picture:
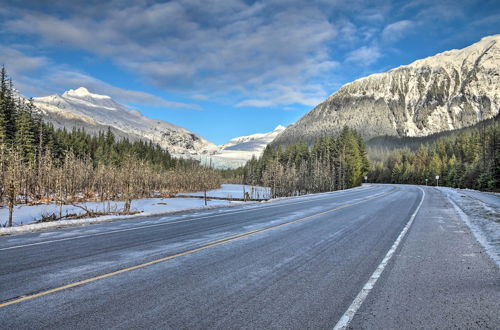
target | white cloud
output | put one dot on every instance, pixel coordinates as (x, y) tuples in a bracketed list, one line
[(286, 95), (38, 76), (201, 97), (18, 62), (364, 55), (396, 31), (251, 51), (193, 46)]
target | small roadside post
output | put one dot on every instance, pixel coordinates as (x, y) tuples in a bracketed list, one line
[(426, 181), (366, 179), (437, 180)]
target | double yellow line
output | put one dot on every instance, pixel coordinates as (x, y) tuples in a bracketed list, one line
[(201, 248)]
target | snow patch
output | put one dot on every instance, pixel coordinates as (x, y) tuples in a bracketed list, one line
[(84, 92), (482, 219)]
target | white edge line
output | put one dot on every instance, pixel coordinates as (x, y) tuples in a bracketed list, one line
[(360, 298), (476, 231)]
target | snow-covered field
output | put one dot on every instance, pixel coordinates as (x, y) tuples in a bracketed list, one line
[(481, 212), (28, 214), (235, 191)]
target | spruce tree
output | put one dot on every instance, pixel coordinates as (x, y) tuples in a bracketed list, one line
[(25, 133)]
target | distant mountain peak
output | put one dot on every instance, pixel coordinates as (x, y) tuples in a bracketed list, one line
[(80, 108), (237, 151), (83, 92)]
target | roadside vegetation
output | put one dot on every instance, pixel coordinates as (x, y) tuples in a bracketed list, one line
[(41, 164), (330, 163), (467, 158)]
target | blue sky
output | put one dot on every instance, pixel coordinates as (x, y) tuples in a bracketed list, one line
[(226, 68)]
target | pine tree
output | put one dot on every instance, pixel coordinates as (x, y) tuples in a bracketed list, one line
[(25, 133), (9, 109), (3, 107), (3, 123)]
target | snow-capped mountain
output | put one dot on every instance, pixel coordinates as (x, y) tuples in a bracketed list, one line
[(255, 143), (241, 149), (450, 90), (80, 108)]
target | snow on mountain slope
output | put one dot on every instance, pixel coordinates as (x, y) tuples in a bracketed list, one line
[(95, 113), (450, 90), (254, 143), (82, 109), (241, 149)]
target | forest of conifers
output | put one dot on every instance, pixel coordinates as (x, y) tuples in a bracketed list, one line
[(41, 164), (466, 158), (331, 163)]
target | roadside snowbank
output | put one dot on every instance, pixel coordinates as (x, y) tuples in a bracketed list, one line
[(481, 212)]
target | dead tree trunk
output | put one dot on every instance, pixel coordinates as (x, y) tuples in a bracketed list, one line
[(128, 204), (12, 202), (128, 198)]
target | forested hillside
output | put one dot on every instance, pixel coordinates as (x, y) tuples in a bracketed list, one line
[(467, 158), (39, 163), (331, 163)]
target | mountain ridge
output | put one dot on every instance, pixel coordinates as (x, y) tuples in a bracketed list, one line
[(450, 90), (237, 151), (80, 108), (261, 139)]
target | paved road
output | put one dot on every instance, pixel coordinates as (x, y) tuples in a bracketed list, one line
[(292, 264)]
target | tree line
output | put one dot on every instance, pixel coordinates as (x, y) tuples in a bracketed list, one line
[(330, 163), (467, 158), (39, 163)]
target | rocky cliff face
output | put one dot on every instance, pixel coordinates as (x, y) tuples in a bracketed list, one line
[(450, 90), (95, 113)]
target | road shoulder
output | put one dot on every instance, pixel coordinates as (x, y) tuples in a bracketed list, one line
[(441, 277)]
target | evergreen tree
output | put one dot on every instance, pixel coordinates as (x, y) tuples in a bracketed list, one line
[(466, 158), (25, 132), (330, 163)]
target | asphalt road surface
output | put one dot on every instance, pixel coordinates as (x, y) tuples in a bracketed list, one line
[(374, 257)]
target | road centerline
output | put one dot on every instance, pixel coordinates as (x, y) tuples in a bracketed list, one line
[(170, 257), (167, 223)]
